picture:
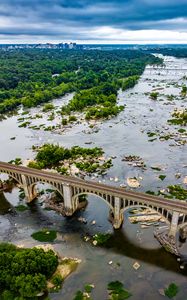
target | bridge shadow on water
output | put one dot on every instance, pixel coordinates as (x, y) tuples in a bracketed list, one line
[(5, 206), (119, 243)]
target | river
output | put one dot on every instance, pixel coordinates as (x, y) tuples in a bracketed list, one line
[(126, 134)]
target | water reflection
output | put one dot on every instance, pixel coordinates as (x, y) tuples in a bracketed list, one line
[(122, 247), (121, 244), (5, 206)]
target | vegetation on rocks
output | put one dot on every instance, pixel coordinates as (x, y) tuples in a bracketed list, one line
[(17, 161), (177, 191), (65, 267), (50, 155), (184, 90), (62, 159), (103, 112), (162, 177), (101, 238), (171, 192), (179, 117), (154, 95), (48, 107)]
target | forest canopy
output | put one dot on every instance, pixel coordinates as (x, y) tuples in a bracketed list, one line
[(34, 76)]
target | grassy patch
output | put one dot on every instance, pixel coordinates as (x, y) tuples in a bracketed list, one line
[(162, 177), (48, 107), (171, 291), (21, 207), (151, 134), (25, 124), (101, 238), (182, 130), (117, 291), (45, 235), (154, 95), (85, 295), (88, 288)]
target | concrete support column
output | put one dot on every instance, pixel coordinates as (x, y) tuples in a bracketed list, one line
[(174, 225), (69, 204), (30, 192), (183, 233), (118, 215)]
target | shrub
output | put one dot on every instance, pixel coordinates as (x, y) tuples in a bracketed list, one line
[(48, 106), (64, 122), (72, 119)]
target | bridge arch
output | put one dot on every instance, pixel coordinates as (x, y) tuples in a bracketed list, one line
[(182, 225), (167, 220), (14, 176), (53, 185), (76, 196)]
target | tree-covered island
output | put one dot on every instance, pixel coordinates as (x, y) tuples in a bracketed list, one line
[(71, 161), (29, 273)]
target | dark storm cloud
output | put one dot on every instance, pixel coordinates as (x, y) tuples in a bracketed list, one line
[(74, 18)]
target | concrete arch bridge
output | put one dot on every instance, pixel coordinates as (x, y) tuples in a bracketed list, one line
[(118, 199)]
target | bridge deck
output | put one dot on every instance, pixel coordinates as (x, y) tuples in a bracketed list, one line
[(166, 69), (177, 205)]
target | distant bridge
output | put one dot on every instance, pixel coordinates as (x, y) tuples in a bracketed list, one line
[(166, 70), (174, 212)]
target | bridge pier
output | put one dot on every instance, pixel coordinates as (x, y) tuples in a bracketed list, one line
[(183, 233), (69, 203), (30, 191), (168, 239), (173, 226), (117, 219)]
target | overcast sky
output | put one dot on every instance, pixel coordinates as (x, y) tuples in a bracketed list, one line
[(93, 21)]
